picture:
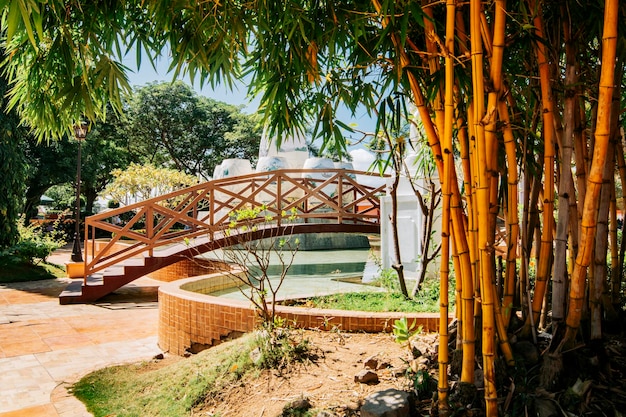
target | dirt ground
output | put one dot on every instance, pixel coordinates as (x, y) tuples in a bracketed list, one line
[(327, 381)]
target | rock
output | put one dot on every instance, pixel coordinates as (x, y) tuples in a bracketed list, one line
[(255, 356), (366, 376), (159, 357), (388, 403), (383, 365), (325, 413), (371, 362), (299, 404)]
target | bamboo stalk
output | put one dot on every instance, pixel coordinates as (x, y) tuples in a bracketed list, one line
[(621, 164), (482, 192), (594, 179), (545, 249), (448, 161), (566, 181), (467, 276)]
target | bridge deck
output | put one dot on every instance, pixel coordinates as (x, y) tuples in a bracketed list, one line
[(143, 237)]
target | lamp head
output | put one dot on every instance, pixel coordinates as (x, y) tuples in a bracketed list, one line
[(80, 130)]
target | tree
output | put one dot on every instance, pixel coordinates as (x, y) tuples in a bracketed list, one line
[(48, 164), (170, 124), (254, 256), (141, 182), (12, 171), (107, 147)]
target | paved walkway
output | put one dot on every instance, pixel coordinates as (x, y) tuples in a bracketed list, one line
[(45, 347)]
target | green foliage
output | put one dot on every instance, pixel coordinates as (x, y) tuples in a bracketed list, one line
[(388, 279), (34, 245), (141, 182), (64, 196), (403, 332), (12, 170), (366, 301), (280, 347), (11, 271), (423, 384), (49, 164), (171, 125)]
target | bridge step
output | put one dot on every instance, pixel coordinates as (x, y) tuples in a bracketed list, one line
[(101, 284)]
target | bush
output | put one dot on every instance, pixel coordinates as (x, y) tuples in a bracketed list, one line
[(34, 245), (280, 347)]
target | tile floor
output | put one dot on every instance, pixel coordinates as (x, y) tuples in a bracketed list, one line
[(45, 347)]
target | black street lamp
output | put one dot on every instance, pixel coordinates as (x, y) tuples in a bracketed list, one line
[(80, 131)]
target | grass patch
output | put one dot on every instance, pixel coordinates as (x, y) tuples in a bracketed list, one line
[(22, 272), (391, 300), (173, 390), (365, 301)]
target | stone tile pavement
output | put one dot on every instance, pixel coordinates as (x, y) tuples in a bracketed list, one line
[(45, 347)]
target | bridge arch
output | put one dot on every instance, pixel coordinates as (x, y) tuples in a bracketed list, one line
[(176, 226)]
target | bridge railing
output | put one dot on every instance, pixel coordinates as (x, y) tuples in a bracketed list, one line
[(202, 211)]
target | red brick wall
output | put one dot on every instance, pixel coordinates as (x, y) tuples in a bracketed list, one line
[(190, 321), (187, 268)]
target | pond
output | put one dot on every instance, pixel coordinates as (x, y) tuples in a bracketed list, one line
[(319, 273)]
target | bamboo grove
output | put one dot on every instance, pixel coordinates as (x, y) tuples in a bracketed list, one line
[(520, 103)]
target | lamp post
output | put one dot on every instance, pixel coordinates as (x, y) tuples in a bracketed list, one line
[(80, 131)]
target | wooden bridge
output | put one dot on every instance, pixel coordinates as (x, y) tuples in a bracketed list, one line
[(124, 244)]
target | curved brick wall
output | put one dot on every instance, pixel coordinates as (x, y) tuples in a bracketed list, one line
[(192, 321)]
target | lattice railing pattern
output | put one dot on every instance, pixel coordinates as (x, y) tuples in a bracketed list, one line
[(202, 212)]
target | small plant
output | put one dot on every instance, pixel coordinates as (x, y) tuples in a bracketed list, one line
[(422, 382), (403, 332), (254, 241), (388, 279), (280, 348)]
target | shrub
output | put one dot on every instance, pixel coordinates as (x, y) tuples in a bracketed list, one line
[(34, 244)]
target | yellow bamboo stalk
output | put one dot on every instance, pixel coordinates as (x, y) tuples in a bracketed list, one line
[(512, 213), (545, 250), (466, 275), (435, 146), (482, 192), (594, 180), (448, 161), (433, 65), (473, 220)]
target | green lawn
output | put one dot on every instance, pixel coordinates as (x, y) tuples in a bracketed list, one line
[(22, 272), (368, 301)]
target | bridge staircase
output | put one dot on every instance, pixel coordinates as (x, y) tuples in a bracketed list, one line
[(133, 241)]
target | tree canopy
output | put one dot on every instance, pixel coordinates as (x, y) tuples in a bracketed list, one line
[(169, 124)]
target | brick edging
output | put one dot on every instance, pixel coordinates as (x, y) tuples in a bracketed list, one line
[(191, 321)]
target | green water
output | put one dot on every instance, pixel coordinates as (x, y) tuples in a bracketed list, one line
[(317, 273)]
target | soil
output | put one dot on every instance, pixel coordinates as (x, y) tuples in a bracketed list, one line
[(591, 380), (326, 380)]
